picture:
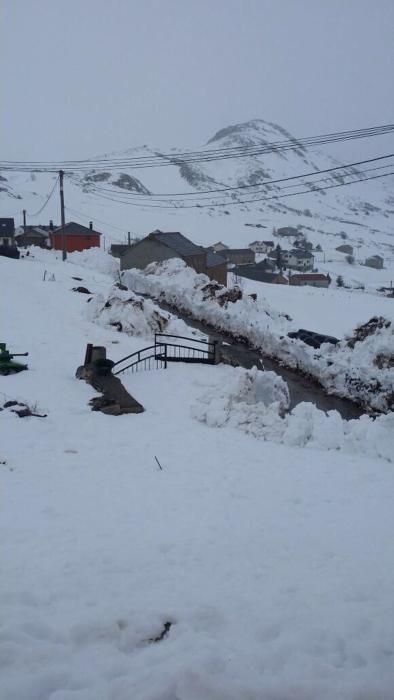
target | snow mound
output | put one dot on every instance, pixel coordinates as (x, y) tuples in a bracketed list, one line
[(132, 314), (95, 259), (256, 402), (247, 400)]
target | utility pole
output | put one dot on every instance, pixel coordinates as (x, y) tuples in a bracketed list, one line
[(24, 221), (63, 222)]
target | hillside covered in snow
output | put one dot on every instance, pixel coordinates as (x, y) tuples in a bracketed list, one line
[(189, 196)]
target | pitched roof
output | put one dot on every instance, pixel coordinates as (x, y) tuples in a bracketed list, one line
[(219, 243), (176, 241), (310, 276), (77, 229), (269, 276), (214, 259), (119, 247), (237, 251), (266, 264), (300, 253), (32, 230)]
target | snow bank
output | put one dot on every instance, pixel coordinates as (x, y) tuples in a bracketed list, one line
[(350, 371), (255, 402), (133, 315), (95, 259)]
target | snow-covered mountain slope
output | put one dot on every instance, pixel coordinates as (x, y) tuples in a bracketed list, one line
[(117, 201)]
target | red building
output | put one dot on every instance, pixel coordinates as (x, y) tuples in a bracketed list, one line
[(77, 237)]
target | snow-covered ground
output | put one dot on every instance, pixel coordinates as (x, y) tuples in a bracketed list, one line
[(273, 562), (333, 311)]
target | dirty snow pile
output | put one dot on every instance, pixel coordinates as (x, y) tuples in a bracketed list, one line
[(349, 370), (132, 314), (256, 403)]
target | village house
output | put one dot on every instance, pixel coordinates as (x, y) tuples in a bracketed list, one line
[(261, 247), (375, 261), (218, 247), (118, 249), (159, 246), (345, 248), (311, 279), (294, 259), (7, 231), (268, 265), (239, 256), (260, 273), (216, 267), (77, 237), (32, 235), (286, 231), (300, 260)]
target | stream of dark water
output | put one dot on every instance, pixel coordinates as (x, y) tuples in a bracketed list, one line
[(240, 354)]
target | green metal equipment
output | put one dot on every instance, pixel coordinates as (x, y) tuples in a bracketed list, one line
[(7, 364)]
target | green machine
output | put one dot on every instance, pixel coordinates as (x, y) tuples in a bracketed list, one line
[(7, 364)]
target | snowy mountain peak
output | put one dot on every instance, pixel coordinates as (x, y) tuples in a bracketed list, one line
[(255, 132)]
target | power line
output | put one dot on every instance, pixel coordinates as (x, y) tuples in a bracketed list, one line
[(46, 201), (264, 183), (100, 221), (117, 196), (245, 201), (184, 158)]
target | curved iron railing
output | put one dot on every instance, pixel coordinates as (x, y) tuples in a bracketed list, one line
[(163, 352)]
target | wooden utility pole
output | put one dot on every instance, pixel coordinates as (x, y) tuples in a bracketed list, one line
[(63, 222), (24, 221)]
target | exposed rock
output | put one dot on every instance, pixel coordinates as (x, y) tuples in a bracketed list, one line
[(366, 329), (81, 290)]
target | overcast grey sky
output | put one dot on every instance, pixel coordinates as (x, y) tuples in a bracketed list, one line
[(82, 77)]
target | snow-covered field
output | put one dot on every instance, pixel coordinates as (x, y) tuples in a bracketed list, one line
[(333, 311), (272, 559)]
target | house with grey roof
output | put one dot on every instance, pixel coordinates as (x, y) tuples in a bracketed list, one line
[(7, 231), (345, 248), (294, 259), (239, 256), (375, 261), (32, 235), (311, 279), (160, 245), (261, 247), (260, 274), (288, 231), (218, 247)]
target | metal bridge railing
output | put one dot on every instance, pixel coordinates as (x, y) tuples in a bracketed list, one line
[(158, 355)]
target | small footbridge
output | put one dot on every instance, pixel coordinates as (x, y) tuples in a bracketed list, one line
[(169, 348)]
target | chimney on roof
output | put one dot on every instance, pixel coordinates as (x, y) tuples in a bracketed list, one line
[(128, 238), (51, 225), (91, 225)]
